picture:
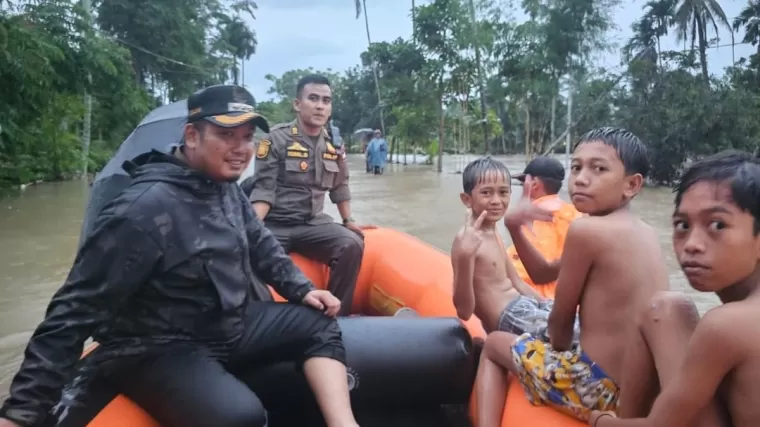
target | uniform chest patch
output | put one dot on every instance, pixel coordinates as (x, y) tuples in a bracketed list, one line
[(297, 150)]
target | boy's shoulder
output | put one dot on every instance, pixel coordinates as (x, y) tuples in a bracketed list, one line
[(728, 327), (606, 224), (587, 227), (729, 315), (589, 233)]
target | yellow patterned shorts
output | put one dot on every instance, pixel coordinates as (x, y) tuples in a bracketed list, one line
[(568, 381)]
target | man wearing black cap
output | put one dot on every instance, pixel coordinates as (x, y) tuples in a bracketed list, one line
[(550, 174), (164, 285), (542, 180)]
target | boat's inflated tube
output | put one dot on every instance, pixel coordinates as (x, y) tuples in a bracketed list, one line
[(399, 367), (391, 361)]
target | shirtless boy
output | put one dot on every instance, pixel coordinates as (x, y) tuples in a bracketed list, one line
[(486, 282), (611, 267), (716, 237)]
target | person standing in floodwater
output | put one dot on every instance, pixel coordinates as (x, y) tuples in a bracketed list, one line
[(377, 153)]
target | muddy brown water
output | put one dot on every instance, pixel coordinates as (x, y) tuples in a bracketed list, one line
[(39, 231)]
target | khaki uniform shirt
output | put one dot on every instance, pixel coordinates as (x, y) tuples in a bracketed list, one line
[(294, 171)]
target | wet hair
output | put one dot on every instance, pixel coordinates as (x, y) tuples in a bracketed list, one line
[(739, 170), (551, 186), (476, 171), (310, 79), (629, 148)]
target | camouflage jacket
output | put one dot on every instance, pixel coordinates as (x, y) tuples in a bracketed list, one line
[(170, 260)]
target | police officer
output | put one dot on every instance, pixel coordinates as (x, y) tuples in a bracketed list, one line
[(296, 164), (164, 284)]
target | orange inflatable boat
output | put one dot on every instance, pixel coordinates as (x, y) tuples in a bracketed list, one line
[(397, 271), (402, 372)]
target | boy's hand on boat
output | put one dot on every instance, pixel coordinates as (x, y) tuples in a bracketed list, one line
[(596, 415), (8, 423), (525, 211), (321, 300)]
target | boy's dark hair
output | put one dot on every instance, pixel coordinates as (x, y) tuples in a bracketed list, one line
[(738, 169), (630, 149), (476, 171), (309, 79)]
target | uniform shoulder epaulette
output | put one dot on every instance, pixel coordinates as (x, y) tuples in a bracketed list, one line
[(280, 126)]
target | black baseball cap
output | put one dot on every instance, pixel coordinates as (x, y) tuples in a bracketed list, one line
[(543, 167), (227, 106)]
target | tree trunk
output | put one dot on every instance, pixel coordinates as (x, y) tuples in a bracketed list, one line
[(528, 150), (414, 24), (374, 71), (481, 83), (702, 50), (554, 113), (659, 52), (441, 132)]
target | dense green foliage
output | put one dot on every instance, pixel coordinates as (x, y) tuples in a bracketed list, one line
[(145, 53), (430, 90), (142, 54)]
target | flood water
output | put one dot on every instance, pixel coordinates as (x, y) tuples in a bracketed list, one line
[(39, 231)]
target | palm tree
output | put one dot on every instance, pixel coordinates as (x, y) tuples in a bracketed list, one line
[(643, 45), (242, 45), (749, 18), (362, 5), (692, 19), (660, 14), (414, 23)]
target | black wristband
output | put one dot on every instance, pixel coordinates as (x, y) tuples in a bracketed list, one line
[(347, 220)]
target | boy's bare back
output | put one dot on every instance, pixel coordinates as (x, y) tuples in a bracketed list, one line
[(621, 260)]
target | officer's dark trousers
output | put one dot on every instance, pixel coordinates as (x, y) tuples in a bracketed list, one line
[(186, 386), (331, 244)]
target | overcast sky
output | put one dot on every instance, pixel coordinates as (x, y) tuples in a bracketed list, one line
[(324, 34)]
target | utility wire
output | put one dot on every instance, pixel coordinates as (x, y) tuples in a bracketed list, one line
[(174, 61)]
